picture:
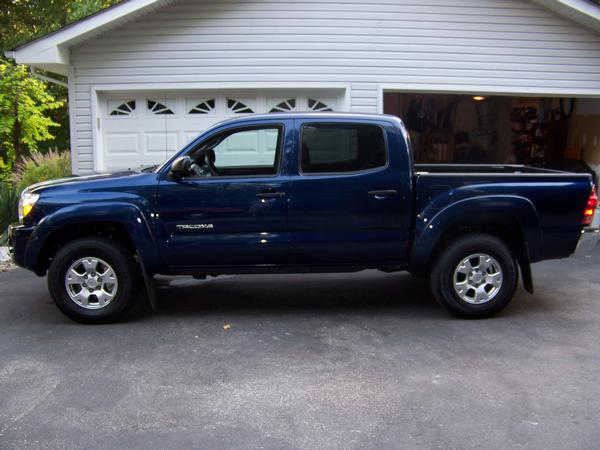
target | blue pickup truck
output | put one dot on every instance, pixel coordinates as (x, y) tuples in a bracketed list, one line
[(304, 192)]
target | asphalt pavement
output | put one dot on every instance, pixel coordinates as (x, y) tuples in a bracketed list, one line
[(363, 360)]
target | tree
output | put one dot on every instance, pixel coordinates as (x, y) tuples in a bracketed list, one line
[(24, 101), (24, 20), (30, 108)]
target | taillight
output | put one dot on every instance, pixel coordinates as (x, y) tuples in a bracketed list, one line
[(590, 208)]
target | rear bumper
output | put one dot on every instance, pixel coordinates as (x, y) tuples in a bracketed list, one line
[(588, 241), (18, 238)]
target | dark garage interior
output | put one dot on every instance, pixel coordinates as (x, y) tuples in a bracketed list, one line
[(546, 132)]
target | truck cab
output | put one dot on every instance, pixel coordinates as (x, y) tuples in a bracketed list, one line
[(303, 191)]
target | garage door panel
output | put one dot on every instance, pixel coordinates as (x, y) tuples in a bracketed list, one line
[(189, 136), (122, 143), (157, 142)]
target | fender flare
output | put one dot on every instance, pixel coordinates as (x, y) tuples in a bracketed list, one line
[(432, 224), (129, 215)]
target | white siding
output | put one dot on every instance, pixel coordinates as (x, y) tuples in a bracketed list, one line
[(503, 46)]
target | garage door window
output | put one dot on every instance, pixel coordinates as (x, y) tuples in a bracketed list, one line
[(341, 148), (158, 108), (204, 107), (316, 105), (237, 107), (244, 152), (122, 109), (284, 106)]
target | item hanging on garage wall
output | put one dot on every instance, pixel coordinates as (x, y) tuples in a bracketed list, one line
[(530, 143)]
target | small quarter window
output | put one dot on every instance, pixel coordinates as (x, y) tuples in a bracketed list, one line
[(341, 148)]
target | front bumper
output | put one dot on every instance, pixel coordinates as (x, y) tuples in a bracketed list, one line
[(18, 238), (588, 241)]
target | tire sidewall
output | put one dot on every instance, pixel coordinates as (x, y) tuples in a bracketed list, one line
[(116, 256), (443, 277)]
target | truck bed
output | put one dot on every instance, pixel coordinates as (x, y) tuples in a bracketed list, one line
[(482, 169), (558, 197)]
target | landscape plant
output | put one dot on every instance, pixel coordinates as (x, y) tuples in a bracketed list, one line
[(41, 167)]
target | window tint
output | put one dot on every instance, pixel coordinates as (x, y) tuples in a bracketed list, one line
[(246, 152), (341, 148)]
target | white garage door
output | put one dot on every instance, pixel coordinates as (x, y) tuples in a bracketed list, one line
[(146, 128)]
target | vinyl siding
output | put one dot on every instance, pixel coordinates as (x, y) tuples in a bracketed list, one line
[(502, 46)]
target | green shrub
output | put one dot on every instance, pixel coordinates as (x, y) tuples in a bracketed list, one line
[(42, 167), (9, 200)]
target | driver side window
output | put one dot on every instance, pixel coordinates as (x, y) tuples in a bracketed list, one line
[(248, 151)]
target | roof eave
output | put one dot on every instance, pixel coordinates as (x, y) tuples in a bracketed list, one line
[(582, 12), (52, 50)]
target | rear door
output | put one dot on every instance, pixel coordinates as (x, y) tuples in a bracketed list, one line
[(349, 194)]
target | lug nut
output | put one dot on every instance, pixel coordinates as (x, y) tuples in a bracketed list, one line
[(84, 285)]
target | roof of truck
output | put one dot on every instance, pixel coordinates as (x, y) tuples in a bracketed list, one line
[(314, 115)]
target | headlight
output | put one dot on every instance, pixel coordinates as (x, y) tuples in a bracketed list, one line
[(26, 203)]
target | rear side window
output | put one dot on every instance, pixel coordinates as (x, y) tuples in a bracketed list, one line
[(341, 148)]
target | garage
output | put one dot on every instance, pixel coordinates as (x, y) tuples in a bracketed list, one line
[(144, 128), (551, 132)]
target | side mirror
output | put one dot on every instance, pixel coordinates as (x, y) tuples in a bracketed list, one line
[(181, 166)]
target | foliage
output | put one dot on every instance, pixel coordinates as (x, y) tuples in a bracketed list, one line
[(8, 206), (42, 167), (30, 108), (23, 104), (24, 20)]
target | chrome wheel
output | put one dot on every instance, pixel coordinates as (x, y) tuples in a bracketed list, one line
[(478, 278), (91, 283)]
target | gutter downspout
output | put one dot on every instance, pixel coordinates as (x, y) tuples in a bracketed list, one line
[(48, 79)]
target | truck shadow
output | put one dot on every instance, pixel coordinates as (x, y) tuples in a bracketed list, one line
[(366, 290)]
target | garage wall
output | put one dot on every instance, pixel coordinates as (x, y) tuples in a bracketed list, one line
[(487, 46)]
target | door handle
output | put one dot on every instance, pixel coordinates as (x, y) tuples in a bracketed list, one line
[(270, 194), (383, 193)]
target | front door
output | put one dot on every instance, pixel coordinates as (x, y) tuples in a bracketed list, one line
[(236, 217), (348, 199)]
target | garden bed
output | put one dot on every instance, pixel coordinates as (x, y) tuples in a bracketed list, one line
[(5, 262)]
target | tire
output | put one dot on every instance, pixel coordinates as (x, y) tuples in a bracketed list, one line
[(107, 296), (481, 291)]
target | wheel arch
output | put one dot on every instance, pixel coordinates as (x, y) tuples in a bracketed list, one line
[(124, 223), (512, 219)]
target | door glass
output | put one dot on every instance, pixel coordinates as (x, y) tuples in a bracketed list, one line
[(342, 148), (245, 152)]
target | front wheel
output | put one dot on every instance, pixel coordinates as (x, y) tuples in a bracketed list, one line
[(93, 280), (475, 276)]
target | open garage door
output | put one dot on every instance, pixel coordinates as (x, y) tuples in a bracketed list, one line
[(557, 133)]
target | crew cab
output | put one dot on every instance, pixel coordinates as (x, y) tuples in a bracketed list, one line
[(298, 193)]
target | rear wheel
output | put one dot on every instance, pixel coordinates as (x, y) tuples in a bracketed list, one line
[(94, 280), (475, 276)]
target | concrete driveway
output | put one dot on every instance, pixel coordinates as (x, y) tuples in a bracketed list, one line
[(322, 361)]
